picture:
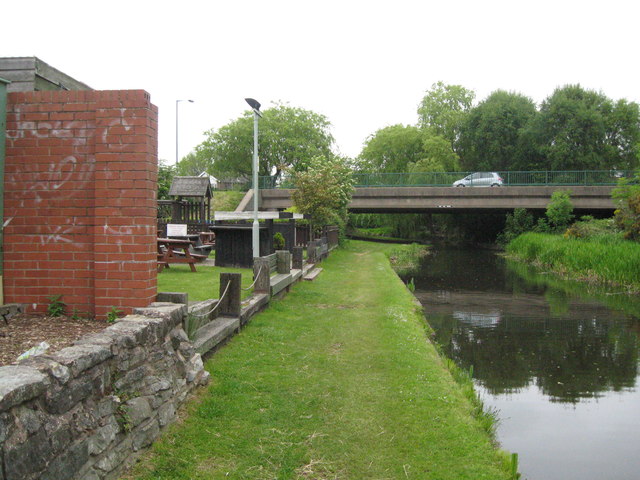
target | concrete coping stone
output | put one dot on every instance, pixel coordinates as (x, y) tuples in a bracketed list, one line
[(19, 384), (46, 365), (172, 297), (171, 311), (79, 358)]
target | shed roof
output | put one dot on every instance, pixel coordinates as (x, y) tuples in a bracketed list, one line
[(190, 187)]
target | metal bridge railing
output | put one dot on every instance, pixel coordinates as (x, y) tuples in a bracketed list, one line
[(446, 179)]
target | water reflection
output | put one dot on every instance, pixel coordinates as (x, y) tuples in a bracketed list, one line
[(558, 360), (517, 333)]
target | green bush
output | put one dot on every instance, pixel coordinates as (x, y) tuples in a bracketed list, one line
[(588, 227), (560, 210), (278, 241), (516, 223), (627, 215)]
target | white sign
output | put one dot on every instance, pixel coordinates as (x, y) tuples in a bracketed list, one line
[(176, 230)]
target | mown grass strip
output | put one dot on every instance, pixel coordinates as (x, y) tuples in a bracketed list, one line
[(337, 380), (601, 259)]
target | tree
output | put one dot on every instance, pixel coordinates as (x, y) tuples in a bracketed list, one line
[(165, 177), (192, 165), (392, 148), (443, 108), (580, 129), (623, 135), (437, 156), (289, 137), (491, 133), (324, 191)]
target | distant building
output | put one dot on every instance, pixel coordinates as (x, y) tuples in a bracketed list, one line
[(28, 74), (212, 180)]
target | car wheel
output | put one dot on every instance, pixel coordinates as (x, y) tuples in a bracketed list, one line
[(495, 184), (460, 185)]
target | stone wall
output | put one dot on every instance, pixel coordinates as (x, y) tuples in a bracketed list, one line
[(83, 412)]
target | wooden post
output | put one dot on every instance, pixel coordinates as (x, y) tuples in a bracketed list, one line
[(176, 212), (283, 261), (230, 301), (297, 258), (270, 233), (291, 235), (312, 252), (261, 275)]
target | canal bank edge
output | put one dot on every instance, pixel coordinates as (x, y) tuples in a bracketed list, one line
[(486, 418)]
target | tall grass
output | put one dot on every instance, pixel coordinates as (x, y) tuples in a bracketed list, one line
[(405, 259), (603, 259), (487, 417)]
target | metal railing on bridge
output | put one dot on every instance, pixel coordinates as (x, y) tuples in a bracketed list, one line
[(446, 179)]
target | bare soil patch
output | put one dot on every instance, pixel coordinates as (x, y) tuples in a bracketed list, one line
[(25, 331)]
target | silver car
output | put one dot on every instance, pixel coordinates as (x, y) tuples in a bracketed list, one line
[(480, 179)]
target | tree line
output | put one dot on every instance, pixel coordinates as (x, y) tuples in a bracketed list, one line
[(573, 129)]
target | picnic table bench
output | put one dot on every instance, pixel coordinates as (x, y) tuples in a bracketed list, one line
[(198, 248), (207, 238), (175, 250)]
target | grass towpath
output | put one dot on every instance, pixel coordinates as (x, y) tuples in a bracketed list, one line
[(336, 380)]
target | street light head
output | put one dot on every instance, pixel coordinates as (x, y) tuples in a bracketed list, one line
[(253, 103)]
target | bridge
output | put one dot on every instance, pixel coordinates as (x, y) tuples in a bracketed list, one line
[(408, 199), (432, 192)]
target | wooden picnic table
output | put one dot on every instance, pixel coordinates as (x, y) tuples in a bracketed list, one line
[(167, 249)]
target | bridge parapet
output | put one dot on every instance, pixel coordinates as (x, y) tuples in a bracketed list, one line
[(450, 199)]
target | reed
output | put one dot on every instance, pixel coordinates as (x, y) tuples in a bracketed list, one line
[(405, 259), (604, 259)]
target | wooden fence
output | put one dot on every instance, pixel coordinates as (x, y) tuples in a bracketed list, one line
[(192, 214)]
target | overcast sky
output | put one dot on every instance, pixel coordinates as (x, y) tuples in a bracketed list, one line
[(363, 64)]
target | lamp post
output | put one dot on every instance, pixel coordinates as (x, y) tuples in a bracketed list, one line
[(177, 102), (255, 106)]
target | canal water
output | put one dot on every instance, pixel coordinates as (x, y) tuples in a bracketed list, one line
[(557, 361)]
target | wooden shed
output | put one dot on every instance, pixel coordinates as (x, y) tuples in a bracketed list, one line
[(192, 203), (234, 243)]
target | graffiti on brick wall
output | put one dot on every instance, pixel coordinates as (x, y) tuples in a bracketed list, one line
[(42, 186), (117, 126)]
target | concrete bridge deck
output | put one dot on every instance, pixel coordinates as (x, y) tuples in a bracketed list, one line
[(460, 200)]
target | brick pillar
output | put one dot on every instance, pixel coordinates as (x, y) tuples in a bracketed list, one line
[(125, 201), (80, 208)]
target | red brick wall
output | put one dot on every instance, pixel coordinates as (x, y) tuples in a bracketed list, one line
[(80, 200)]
